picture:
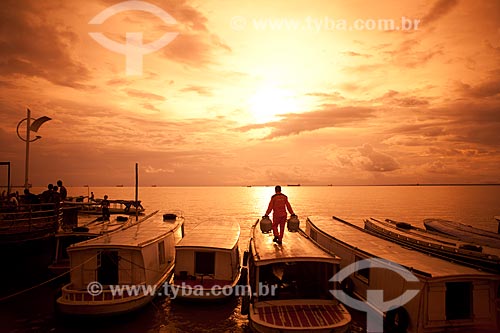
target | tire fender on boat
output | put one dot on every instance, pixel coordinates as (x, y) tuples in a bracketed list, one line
[(245, 305), (347, 286), (396, 320)]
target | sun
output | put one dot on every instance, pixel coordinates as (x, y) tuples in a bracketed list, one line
[(269, 102)]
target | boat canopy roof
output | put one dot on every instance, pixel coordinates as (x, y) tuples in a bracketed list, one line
[(212, 234), (296, 247), (374, 246), (147, 230)]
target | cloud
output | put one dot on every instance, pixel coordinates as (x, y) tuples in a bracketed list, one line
[(329, 116), (438, 10), (200, 90), (196, 49), (145, 95), (34, 45), (408, 54), (365, 158), (150, 169), (356, 54), (393, 97), (488, 88)]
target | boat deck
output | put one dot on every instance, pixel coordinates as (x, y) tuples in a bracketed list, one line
[(301, 316), (296, 247), (431, 236), (147, 230), (222, 235), (356, 237)]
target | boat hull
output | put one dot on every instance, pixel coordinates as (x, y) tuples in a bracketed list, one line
[(218, 291), (99, 306), (104, 309)]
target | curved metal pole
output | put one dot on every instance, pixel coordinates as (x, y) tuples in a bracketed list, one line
[(37, 122), (26, 167)]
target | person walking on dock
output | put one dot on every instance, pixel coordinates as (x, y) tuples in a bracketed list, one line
[(279, 205)]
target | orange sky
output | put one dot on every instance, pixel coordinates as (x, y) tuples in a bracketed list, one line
[(255, 92)]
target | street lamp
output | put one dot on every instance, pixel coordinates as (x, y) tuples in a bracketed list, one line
[(30, 127)]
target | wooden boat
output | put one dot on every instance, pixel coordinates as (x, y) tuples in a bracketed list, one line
[(464, 232), (129, 207), (436, 244), (289, 286), (207, 261), (85, 231), (452, 297), (121, 271)]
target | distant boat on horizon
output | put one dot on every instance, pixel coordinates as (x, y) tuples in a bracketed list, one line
[(293, 185), (119, 185)]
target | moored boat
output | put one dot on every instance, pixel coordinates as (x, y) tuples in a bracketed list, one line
[(84, 231), (436, 244), (464, 232), (289, 286), (129, 207), (207, 261), (124, 270), (451, 297)]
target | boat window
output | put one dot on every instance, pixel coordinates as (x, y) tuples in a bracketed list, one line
[(107, 270), (204, 263), (161, 253), (458, 300), (362, 274)]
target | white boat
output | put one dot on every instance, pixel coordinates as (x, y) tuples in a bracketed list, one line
[(289, 286), (207, 261), (451, 297), (121, 271), (464, 232), (84, 231), (436, 244)]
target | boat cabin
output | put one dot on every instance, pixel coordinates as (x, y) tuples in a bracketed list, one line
[(208, 256), (451, 297), (142, 254)]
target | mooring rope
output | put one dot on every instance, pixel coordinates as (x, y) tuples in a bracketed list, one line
[(45, 282)]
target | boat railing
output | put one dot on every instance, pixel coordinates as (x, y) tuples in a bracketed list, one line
[(107, 294), (31, 217), (95, 206)]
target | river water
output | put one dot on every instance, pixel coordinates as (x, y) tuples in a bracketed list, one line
[(34, 311)]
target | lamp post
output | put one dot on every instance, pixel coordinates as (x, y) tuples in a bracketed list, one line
[(30, 127)]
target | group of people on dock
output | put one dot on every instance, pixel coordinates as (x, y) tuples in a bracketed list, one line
[(55, 194)]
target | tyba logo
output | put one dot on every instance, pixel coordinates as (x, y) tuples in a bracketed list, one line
[(133, 49), (374, 298)]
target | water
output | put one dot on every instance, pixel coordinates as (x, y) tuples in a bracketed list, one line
[(34, 311)]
